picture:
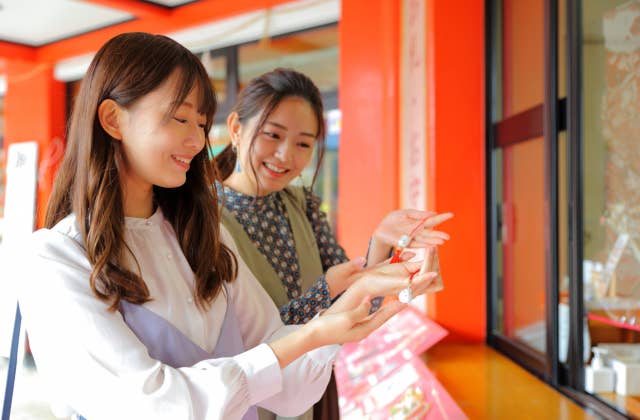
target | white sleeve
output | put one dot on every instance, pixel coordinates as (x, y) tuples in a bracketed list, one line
[(96, 365), (303, 381)]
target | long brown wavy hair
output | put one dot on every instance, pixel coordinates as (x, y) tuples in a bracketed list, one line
[(126, 68), (262, 95)]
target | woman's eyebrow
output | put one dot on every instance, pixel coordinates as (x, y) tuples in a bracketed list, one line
[(302, 133), (183, 103), (176, 105)]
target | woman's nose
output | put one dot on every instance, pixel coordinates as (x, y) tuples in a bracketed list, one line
[(195, 137), (284, 151)]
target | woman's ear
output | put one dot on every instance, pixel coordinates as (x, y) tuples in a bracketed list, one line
[(109, 114), (233, 127)]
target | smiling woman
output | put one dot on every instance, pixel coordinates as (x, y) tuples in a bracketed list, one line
[(279, 228)]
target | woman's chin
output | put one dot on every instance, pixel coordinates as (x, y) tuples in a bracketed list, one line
[(173, 183)]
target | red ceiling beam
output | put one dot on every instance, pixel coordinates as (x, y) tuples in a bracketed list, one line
[(183, 17), (11, 51)]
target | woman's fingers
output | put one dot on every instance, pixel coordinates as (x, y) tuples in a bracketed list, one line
[(437, 219), (380, 280), (429, 238), (421, 283), (370, 323), (423, 233), (428, 264), (397, 270), (418, 215)]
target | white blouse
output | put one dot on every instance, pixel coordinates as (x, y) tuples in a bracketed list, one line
[(98, 368)]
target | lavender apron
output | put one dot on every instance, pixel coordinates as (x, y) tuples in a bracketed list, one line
[(170, 346)]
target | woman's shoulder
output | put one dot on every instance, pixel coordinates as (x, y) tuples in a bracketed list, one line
[(53, 259), (61, 241)]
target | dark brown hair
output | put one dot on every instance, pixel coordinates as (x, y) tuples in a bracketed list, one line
[(125, 69), (261, 96)]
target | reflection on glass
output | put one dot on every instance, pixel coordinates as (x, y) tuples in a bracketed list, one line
[(326, 185), (216, 67), (523, 277), (611, 54), (313, 52), (563, 248), (522, 55), (562, 48)]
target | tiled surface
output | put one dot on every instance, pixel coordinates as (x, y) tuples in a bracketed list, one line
[(29, 397)]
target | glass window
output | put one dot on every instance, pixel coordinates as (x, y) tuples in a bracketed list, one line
[(216, 66), (522, 268), (611, 214), (522, 55), (518, 253), (313, 52), (326, 185)]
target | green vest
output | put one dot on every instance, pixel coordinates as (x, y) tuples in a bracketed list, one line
[(308, 258), (305, 244)]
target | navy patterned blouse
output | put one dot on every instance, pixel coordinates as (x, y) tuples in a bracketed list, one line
[(266, 222)]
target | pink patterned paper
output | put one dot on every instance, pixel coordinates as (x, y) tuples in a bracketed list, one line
[(381, 377)]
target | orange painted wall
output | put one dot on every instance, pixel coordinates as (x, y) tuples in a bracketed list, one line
[(368, 98), (455, 47), (35, 110)]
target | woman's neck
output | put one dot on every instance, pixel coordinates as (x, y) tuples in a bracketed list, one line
[(240, 184), (138, 202)]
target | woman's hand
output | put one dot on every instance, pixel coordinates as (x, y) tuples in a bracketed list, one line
[(339, 327), (341, 276), (402, 222), (416, 224), (348, 318)]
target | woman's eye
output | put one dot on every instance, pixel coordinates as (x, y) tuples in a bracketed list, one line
[(203, 126), (304, 145), (271, 135), (180, 120)]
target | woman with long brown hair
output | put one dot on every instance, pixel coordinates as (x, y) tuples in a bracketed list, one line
[(275, 126), (133, 299)]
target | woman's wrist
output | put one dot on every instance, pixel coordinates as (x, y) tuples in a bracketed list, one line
[(334, 285), (378, 251), (293, 345), (341, 276)]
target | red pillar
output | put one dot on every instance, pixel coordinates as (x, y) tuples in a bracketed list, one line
[(456, 72), (368, 152), (35, 111), (369, 144)]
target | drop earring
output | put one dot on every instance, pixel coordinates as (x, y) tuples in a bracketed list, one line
[(238, 167)]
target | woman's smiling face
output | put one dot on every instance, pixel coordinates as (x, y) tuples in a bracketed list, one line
[(158, 145), (283, 147)]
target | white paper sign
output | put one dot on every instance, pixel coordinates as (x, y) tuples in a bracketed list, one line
[(413, 106), (19, 220)]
